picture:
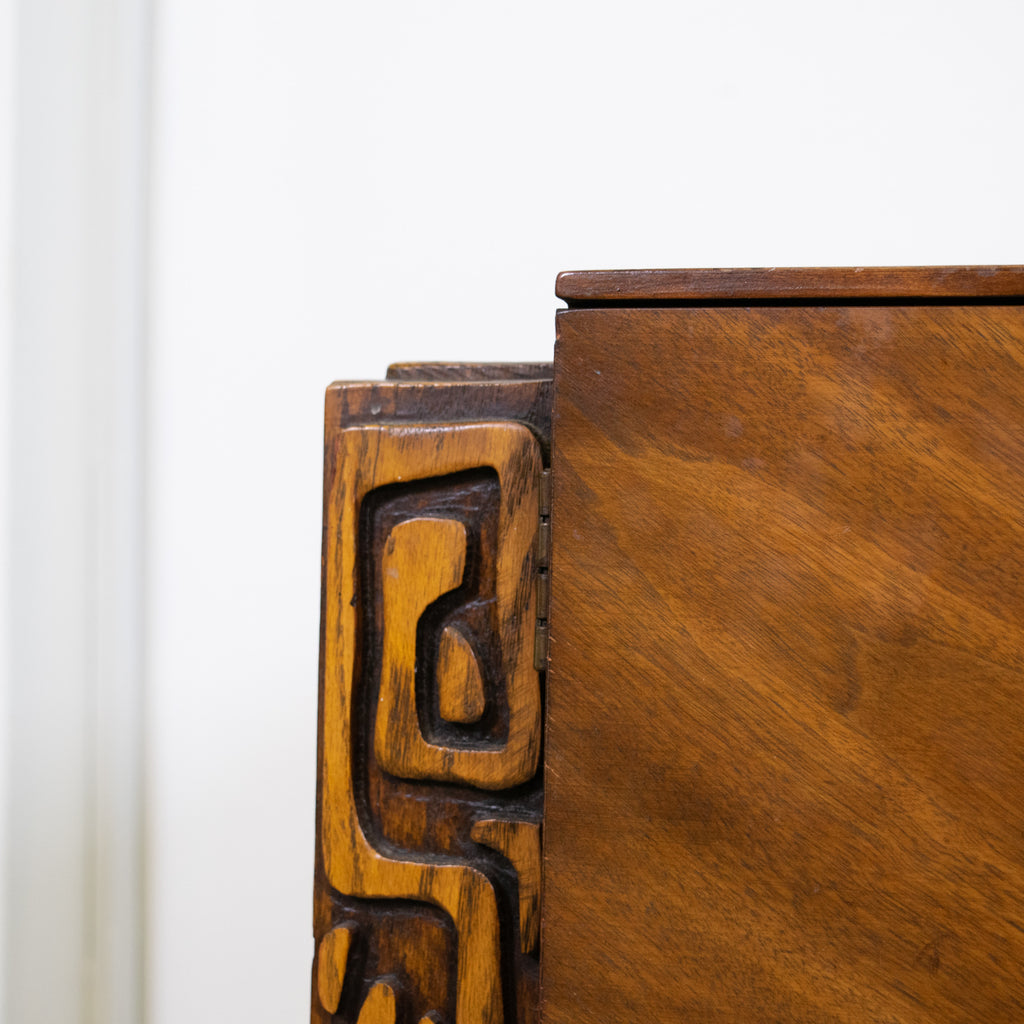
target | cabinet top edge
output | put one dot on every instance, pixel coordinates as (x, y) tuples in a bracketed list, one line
[(469, 372), (802, 284)]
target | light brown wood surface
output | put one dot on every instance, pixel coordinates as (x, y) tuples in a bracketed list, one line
[(332, 962), (785, 751), (425, 559), (460, 687), (430, 705), (519, 843)]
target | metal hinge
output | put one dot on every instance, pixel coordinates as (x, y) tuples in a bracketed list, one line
[(542, 561)]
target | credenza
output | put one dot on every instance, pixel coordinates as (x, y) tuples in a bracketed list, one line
[(682, 680)]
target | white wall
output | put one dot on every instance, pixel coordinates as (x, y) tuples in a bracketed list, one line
[(337, 186), (75, 247), (7, 51)]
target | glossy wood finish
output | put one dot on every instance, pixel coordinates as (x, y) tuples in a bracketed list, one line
[(473, 396), (648, 287), (429, 798), (785, 748)]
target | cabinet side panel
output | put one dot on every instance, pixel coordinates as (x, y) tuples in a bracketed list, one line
[(429, 798), (785, 747)]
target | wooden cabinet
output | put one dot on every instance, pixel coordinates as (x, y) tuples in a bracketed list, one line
[(758, 546)]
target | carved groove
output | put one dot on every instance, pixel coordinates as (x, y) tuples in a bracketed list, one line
[(384, 797), (519, 843)]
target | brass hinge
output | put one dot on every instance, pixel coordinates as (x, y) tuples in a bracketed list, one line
[(542, 561)]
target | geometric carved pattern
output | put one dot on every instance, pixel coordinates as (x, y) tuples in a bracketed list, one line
[(519, 842), (430, 736)]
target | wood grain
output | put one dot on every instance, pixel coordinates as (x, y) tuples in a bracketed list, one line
[(459, 684), (429, 533), (470, 371), (785, 749), (425, 559), (332, 962), (379, 1007), (447, 401), (808, 284), (519, 843)]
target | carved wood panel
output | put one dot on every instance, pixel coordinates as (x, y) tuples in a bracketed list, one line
[(429, 796)]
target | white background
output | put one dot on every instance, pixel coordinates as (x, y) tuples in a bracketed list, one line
[(229, 204)]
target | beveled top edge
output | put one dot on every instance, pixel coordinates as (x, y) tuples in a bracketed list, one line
[(469, 372), (587, 287)]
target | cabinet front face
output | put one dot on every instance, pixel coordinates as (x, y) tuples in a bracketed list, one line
[(785, 743)]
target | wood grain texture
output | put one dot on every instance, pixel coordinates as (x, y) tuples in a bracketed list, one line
[(470, 371), (332, 962), (379, 1007), (449, 401), (429, 533), (425, 559), (829, 285), (459, 684), (519, 843), (785, 748)]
